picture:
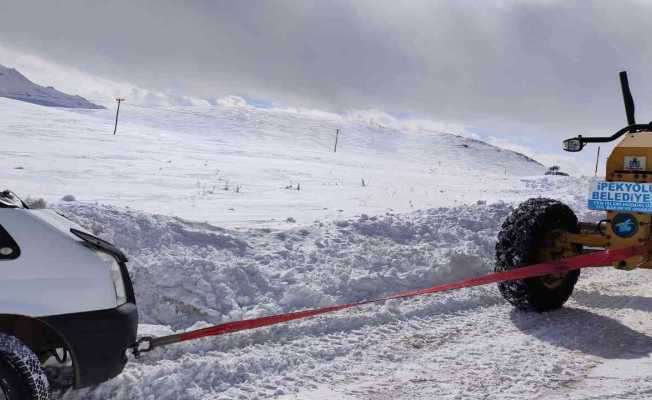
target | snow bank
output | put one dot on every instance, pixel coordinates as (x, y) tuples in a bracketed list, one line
[(459, 344), (187, 272)]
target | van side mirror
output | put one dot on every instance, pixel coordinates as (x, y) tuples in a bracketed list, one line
[(573, 144)]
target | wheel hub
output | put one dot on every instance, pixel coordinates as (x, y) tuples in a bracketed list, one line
[(551, 248)]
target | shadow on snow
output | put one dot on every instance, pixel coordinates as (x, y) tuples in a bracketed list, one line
[(581, 330)]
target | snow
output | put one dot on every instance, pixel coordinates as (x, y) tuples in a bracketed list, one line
[(202, 252), (241, 166), (238, 166), (460, 344), (186, 272), (15, 85)]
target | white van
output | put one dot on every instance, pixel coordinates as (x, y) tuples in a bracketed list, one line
[(63, 292)]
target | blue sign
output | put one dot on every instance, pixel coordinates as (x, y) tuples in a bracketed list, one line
[(624, 225), (621, 196)]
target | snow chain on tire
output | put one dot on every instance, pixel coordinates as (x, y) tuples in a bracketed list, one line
[(21, 371), (520, 239)]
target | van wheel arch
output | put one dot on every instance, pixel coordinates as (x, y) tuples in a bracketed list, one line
[(38, 336)]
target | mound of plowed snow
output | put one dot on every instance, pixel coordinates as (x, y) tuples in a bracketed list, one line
[(460, 344), (187, 272)]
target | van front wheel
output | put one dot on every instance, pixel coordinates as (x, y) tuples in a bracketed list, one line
[(21, 374)]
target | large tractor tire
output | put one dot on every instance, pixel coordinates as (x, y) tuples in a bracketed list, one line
[(21, 375), (528, 236)]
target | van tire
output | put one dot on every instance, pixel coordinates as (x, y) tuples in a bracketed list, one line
[(21, 374)]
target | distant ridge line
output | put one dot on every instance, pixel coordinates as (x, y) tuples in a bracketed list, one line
[(15, 86)]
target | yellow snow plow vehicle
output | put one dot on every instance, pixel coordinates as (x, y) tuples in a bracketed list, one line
[(543, 229)]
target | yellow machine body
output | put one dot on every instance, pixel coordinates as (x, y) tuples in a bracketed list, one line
[(545, 229), (636, 147)]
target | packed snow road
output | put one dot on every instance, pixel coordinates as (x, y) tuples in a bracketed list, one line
[(462, 344)]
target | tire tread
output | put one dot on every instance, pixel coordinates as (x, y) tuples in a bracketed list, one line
[(26, 365), (517, 246)]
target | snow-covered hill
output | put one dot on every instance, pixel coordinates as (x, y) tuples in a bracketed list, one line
[(234, 165), (15, 85)]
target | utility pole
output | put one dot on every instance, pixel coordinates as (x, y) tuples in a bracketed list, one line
[(119, 100), (337, 135), (597, 160)]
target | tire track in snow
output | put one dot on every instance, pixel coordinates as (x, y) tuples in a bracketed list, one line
[(563, 354), (291, 357)]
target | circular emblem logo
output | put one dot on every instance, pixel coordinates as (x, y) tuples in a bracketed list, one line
[(624, 225)]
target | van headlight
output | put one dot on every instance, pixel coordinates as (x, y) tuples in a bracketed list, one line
[(116, 276)]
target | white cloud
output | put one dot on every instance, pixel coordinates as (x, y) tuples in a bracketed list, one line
[(373, 117), (72, 80), (571, 163), (549, 64), (232, 101)]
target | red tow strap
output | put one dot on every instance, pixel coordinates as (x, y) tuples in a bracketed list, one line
[(599, 258)]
